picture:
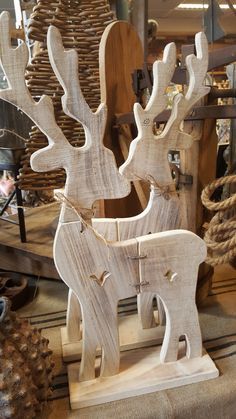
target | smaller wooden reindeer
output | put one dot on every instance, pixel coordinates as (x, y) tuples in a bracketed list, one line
[(148, 153), (99, 272)]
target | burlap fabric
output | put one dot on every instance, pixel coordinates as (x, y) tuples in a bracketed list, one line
[(213, 399)]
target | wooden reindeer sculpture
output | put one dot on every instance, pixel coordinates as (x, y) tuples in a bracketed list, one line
[(100, 273), (148, 154), (164, 211)]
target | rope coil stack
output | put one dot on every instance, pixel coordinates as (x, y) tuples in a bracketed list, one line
[(81, 23), (220, 236)]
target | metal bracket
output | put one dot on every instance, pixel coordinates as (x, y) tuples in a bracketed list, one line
[(140, 285), (180, 178), (137, 257)]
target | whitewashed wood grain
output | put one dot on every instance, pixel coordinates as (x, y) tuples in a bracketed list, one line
[(148, 153), (189, 160), (158, 216), (100, 274), (131, 336), (141, 372), (91, 170)]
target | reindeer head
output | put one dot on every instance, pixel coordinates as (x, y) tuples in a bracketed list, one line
[(148, 154), (91, 171)]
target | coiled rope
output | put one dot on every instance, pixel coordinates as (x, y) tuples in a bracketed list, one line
[(220, 236)]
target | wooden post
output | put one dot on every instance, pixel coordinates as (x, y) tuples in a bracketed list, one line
[(122, 9), (139, 18)]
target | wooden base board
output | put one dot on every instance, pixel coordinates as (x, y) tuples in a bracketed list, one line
[(131, 334), (140, 373)]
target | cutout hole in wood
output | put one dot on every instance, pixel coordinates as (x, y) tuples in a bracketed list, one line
[(170, 275), (182, 347)]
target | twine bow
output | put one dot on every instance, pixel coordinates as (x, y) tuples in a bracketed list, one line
[(161, 190)]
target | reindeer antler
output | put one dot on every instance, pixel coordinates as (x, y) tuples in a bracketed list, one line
[(197, 68), (148, 153), (162, 74), (94, 163), (14, 61), (65, 66)]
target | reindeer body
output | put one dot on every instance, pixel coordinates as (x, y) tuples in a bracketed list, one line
[(100, 274), (147, 157), (161, 214)]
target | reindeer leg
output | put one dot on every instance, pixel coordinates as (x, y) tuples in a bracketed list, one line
[(170, 345), (89, 344), (110, 361), (161, 312), (192, 332), (181, 321), (99, 330), (145, 310), (73, 318)]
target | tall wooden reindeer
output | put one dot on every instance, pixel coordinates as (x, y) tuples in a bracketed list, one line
[(164, 210), (95, 164), (100, 273)]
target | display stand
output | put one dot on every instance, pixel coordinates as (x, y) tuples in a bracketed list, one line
[(140, 373)]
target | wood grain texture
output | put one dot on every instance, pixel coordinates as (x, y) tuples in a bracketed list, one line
[(131, 336), (73, 318), (120, 54), (101, 273), (171, 208), (142, 161), (158, 216), (148, 153), (189, 165), (94, 163), (141, 372), (206, 168)]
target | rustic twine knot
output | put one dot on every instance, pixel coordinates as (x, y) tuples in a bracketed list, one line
[(84, 214), (220, 236), (162, 190)]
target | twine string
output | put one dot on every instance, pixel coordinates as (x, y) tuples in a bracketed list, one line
[(84, 215), (162, 190), (4, 130)]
